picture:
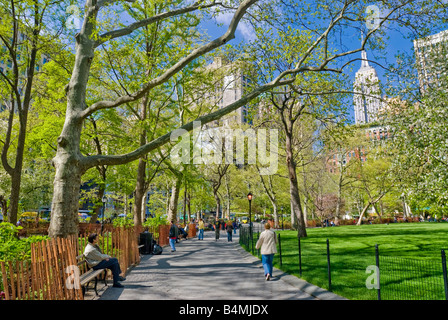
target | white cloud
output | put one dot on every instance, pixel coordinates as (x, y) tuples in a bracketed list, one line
[(244, 28)]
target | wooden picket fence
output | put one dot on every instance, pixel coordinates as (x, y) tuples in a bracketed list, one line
[(50, 273), (45, 276)]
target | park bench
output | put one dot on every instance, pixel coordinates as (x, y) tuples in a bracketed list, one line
[(86, 277)]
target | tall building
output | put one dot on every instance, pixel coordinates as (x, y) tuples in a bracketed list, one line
[(229, 87), (430, 55), (367, 93)]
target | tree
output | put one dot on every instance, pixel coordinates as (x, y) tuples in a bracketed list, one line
[(70, 164), (22, 47), (374, 179)]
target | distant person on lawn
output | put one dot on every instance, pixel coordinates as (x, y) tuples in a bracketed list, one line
[(98, 260)]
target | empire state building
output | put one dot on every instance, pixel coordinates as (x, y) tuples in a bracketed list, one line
[(367, 93)]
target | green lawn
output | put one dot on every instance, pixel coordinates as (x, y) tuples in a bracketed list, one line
[(410, 259)]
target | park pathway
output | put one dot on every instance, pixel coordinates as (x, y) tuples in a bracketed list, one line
[(210, 270)]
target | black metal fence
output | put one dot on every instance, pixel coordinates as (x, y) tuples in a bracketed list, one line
[(378, 276)]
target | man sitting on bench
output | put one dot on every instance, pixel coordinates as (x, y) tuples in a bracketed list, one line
[(98, 260)]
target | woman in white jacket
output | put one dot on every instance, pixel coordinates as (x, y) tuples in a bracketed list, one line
[(268, 245)]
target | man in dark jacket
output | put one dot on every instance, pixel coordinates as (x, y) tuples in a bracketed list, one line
[(217, 227)]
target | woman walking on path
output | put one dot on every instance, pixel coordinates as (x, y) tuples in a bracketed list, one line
[(268, 244), (229, 228), (201, 229)]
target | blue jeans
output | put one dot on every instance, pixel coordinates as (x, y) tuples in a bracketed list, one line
[(112, 265), (229, 236), (267, 260), (172, 244), (201, 234)]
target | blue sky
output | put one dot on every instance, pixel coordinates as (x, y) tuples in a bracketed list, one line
[(395, 43)]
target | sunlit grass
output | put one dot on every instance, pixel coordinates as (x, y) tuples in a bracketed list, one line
[(352, 250)]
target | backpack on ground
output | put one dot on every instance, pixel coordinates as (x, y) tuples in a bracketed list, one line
[(157, 249)]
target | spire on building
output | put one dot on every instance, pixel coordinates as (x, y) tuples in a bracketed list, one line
[(367, 92)]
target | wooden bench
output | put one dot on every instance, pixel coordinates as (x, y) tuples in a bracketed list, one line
[(86, 277)]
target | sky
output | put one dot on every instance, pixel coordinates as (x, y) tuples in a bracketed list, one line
[(395, 43)]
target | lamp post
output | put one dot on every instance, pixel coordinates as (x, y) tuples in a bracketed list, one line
[(249, 197)]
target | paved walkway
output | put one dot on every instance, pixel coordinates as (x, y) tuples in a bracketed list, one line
[(210, 270)]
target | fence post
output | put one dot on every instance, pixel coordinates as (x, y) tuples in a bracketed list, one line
[(280, 248), (300, 257), (445, 278), (328, 262), (377, 259)]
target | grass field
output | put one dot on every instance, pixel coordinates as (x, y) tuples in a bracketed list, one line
[(410, 259)]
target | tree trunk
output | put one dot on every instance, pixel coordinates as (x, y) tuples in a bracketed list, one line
[(65, 205), (140, 189), (4, 207), (98, 209), (16, 179), (294, 189), (339, 199), (275, 214), (68, 161), (185, 205), (218, 205), (364, 210), (144, 201), (174, 200), (189, 206)]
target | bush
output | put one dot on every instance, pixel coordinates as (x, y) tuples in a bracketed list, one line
[(123, 222), (154, 223), (11, 247)]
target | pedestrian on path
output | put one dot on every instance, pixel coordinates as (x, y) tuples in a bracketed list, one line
[(172, 236), (217, 229), (229, 228), (267, 243), (201, 229)]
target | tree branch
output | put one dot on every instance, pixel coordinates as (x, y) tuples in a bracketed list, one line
[(229, 35), (145, 22)]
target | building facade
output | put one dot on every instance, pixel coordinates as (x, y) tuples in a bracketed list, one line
[(231, 81), (366, 99), (430, 57)]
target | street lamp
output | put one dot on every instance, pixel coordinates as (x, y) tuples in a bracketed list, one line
[(249, 197)]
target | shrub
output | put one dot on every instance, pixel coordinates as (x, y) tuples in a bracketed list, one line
[(123, 222), (154, 223), (11, 247)]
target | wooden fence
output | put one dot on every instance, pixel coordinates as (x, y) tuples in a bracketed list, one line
[(52, 271), (45, 276)]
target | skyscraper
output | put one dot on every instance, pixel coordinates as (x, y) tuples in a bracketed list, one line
[(431, 54), (367, 93), (230, 86)]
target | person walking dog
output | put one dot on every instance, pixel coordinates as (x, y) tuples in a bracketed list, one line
[(267, 243)]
